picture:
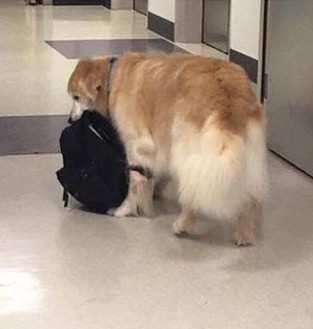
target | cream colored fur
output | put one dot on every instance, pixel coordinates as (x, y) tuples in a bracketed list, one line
[(194, 118), (213, 183)]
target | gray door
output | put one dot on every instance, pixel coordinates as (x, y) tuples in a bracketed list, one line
[(216, 24), (289, 68), (141, 6)]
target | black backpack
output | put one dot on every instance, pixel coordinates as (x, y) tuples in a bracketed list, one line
[(95, 168)]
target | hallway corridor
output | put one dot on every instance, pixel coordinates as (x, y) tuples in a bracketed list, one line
[(68, 268)]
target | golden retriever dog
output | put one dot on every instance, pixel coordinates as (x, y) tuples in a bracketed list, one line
[(193, 117)]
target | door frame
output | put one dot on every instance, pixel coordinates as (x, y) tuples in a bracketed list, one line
[(146, 14), (228, 30), (262, 88)]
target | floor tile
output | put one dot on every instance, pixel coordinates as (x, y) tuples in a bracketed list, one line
[(85, 48), (31, 134), (68, 268)]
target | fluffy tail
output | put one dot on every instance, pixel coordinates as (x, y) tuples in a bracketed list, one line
[(218, 171)]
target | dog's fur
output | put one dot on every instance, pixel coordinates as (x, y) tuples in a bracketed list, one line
[(194, 117)]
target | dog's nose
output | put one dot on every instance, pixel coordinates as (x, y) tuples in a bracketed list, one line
[(70, 120)]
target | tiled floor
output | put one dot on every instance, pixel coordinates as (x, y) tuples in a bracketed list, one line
[(73, 49), (31, 134), (67, 268)]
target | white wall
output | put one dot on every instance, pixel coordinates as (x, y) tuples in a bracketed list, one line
[(245, 26), (163, 8)]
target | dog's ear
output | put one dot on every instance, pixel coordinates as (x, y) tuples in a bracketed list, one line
[(93, 83), (94, 80), (102, 99)]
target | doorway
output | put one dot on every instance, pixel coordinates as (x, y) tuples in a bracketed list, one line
[(215, 32), (141, 6)]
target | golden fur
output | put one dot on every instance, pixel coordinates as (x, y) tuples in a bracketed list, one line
[(194, 117)]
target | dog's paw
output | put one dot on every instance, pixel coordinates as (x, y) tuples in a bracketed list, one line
[(122, 211), (178, 228), (111, 212), (244, 240)]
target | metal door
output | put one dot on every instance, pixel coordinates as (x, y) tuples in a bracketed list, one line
[(141, 6), (216, 24), (289, 71)]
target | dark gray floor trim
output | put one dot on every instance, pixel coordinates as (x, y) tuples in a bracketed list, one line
[(107, 4), (31, 134), (161, 26), (248, 63), (77, 2), (74, 49)]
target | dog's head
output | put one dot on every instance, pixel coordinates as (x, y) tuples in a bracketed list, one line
[(87, 87)]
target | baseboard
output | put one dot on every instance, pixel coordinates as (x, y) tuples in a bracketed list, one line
[(107, 4), (248, 63), (77, 2), (161, 26)]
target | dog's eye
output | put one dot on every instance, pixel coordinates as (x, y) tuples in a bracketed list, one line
[(98, 88), (76, 98)]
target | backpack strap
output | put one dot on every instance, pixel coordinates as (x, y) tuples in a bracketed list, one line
[(65, 198)]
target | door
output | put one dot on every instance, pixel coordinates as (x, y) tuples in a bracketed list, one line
[(289, 71), (216, 24), (141, 6)]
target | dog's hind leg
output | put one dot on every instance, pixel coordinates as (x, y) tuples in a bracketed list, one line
[(185, 222), (246, 223)]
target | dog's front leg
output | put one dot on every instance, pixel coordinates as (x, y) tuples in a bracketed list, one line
[(139, 200)]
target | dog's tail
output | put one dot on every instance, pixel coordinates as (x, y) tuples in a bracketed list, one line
[(219, 171)]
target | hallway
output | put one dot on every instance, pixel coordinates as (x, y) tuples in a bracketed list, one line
[(68, 268)]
